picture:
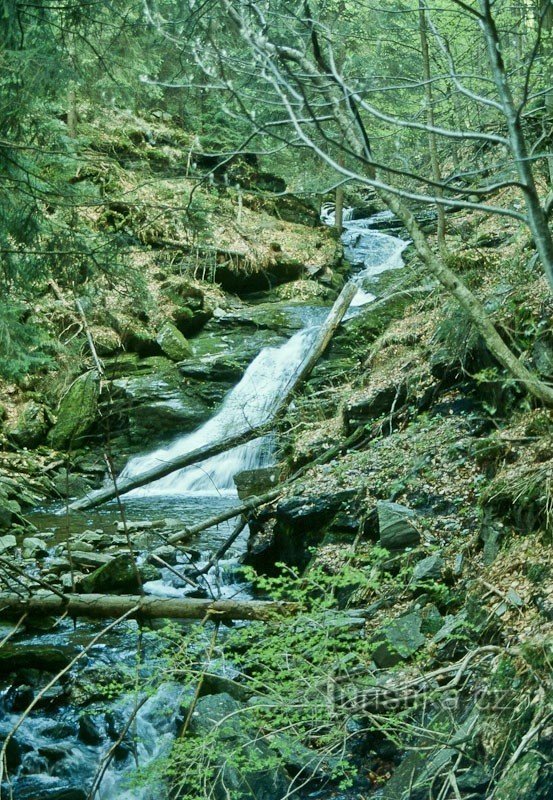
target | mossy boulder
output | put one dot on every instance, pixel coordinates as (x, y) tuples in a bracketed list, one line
[(521, 781), (173, 343), (77, 412), (31, 426), (118, 575)]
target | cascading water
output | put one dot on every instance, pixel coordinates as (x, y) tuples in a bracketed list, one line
[(255, 398), (248, 405)]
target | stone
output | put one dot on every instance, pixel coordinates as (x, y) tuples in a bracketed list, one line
[(429, 569), (167, 553), (77, 412), (67, 484), (41, 657), (7, 542), (399, 640), (475, 779), (298, 525), (173, 343), (85, 559), (89, 731), (396, 527), (252, 482), (33, 547), (119, 574), (239, 754), (45, 787), (31, 426), (521, 781)]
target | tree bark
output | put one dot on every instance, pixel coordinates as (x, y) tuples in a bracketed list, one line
[(102, 606), (241, 437), (432, 143)]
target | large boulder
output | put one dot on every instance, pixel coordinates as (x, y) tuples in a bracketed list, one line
[(395, 522), (77, 412), (299, 524), (398, 640), (119, 574), (173, 343), (31, 426)]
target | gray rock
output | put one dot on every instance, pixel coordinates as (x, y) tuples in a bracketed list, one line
[(428, 569), (167, 553), (7, 542), (399, 640), (252, 482), (396, 526), (32, 547), (94, 560), (31, 426)]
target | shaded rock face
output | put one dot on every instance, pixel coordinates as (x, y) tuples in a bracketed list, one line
[(31, 427), (395, 522), (77, 412), (399, 640), (288, 534)]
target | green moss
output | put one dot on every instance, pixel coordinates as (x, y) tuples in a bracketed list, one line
[(77, 412)]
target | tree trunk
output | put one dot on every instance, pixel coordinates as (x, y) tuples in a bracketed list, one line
[(101, 606), (241, 437), (339, 209), (432, 143)]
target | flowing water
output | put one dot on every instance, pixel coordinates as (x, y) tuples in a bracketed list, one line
[(50, 736)]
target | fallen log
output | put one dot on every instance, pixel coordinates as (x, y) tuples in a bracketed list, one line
[(101, 606), (324, 336)]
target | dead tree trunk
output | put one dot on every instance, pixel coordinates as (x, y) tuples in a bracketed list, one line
[(207, 451), (102, 606)]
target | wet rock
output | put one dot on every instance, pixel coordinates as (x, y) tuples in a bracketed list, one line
[(429, 569), (167, 553), (39, 657), (89, 731), (173, 343), (33, 547), (31, 426), (77, 412), (399, 640), (18, 698), (8, 543), (34, 764), (217, 368), (245, 764), (45, 787), (252, 482), (395, 522), (120, 574)]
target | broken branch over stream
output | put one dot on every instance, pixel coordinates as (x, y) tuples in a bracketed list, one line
[(320, 344), (102, 606)]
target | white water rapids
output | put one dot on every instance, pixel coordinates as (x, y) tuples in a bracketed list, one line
[(256, 396)]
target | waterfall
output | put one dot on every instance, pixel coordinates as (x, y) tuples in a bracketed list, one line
[(249, 404), (255, 398)]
